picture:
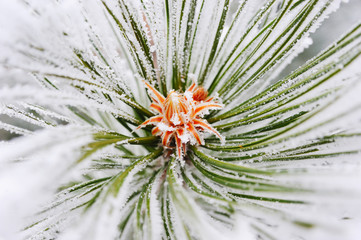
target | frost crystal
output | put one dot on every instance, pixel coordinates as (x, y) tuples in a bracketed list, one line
[(246, 138)]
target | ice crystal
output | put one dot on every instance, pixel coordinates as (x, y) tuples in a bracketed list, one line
[(80, 80)]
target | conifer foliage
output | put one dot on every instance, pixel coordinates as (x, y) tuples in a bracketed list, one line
[(177, 119)]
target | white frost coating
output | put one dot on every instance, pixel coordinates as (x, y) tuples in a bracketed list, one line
[(89, 60), (175, 119), (348, 107), (243, 228), (155, 211), (307, 41), (101, 221), (187, 209), (59, 99), (47, 112), (331, 84), (312, 22), (185, 137), (164, 127), (14, 112), (26, 180), (14, 129)]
